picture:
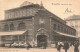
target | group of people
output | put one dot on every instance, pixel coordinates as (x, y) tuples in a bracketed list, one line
[(41, 45), (31, 45), (66, 46)]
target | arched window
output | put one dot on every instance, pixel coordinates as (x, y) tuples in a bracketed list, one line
[(6, 27), (54, 26), (21, 26), (59, 27), (11, 26), (62, 29), (67, 30)]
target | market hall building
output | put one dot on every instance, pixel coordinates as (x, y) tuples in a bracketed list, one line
[(33, 23)]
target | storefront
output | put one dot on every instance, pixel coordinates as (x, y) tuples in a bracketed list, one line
[(58, 36), (11, 37)]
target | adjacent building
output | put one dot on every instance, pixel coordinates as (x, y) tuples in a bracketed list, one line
[(33, 23), (74, 22)]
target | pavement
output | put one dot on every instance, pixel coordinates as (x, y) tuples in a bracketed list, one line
[(71, 49)]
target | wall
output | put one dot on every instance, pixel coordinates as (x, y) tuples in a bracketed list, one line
[(75, 24), (20, 12), (28, 23), (42, 20)]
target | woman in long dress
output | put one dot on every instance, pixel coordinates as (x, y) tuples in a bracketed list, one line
[(59, 46), (76, 45)]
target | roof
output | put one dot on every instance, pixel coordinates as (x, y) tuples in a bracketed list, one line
[(40, 11), (27, 4), (51, 15), (29, 17), (36, 6), (21, 7), (12, 33), (56, 17), (74, 17), (66, 35)]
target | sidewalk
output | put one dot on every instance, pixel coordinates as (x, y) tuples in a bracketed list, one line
[(71, 49)]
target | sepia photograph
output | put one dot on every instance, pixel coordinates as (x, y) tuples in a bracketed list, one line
[(39, 25)]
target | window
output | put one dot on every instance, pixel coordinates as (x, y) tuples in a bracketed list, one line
[(71, 32), (54, 26), (21, 26), (74, 32), (64, 30), (58, 27), (67, 30), (61, 29), (6, 27), (11, 27)]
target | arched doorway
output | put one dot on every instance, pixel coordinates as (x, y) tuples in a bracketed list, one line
[(41, 40)]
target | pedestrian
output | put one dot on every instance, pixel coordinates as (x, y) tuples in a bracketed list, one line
[(66, 46), (76, 45), (56, 44), (59, 46), (29, 46)]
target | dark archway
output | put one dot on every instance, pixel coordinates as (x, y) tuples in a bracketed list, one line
[(41, 40)]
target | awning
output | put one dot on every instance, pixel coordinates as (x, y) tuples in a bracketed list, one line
[(12, 33), (66, 34)]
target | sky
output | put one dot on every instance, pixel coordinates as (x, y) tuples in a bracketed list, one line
[(61, 8)]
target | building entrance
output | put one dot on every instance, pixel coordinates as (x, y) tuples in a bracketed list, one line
[(41, 40)]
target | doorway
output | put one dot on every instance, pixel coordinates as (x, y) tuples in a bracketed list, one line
[(41, 40)]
